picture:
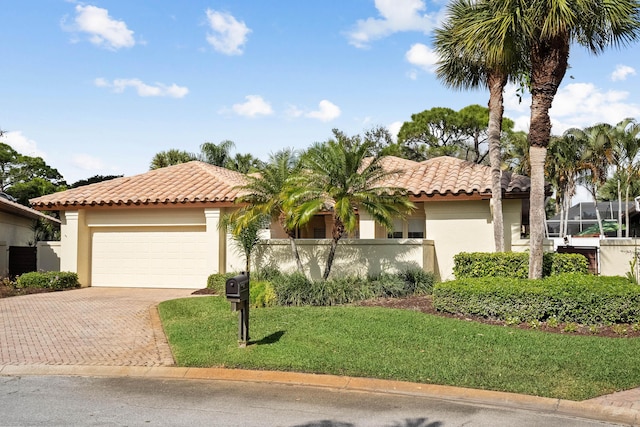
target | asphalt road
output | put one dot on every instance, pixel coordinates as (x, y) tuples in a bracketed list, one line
[(125, 401)]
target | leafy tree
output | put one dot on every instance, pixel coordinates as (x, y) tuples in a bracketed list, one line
[(546, 30), (340, 177), (170, 157), (93, 180), (432, 133), (264, 195), (26, 177)]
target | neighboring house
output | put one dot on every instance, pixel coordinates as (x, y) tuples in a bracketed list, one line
[(160, 228), (16, 228)]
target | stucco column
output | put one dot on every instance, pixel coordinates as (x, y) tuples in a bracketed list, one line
[(216, 256), (75, 246), (367, 225)]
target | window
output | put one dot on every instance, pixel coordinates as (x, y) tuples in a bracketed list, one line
[(416, 229), (396, 233)]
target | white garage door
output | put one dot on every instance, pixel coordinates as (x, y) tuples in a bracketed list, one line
[(163, 258)]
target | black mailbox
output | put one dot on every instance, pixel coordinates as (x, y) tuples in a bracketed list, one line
[(237, 287)]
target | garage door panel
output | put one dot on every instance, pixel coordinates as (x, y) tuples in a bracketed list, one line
[(160, 258)]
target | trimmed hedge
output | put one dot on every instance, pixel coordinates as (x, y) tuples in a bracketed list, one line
[(568, 297), (56, 280), (514, 264), (217, 282)]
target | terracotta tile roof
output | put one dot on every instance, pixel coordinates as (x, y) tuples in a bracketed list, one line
[(24, 211), (186, 183), (449, 175)]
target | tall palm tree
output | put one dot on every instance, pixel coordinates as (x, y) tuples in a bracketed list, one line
[(264, 195), (340, 177), (170, 158), (464, 66), (547, 29)]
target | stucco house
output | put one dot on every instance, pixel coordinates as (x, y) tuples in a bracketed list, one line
[(16, 228), (161, 228)]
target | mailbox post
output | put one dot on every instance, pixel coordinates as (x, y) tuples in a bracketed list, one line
[(237, 290)]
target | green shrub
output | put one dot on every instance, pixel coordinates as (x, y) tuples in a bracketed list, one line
[(267, 273), (568, 297), (514, 264), (56, 280), (261, 294), (419, 282), (217, 282)]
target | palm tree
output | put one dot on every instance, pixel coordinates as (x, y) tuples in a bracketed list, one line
[(596, 144), (627, 153), (339, 176), (464, 66), (170, 158), (216, 154), (263, 195), (246, 235), (546, 29), (562, 170)]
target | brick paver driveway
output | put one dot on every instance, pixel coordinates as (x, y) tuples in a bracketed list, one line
[(90, 326)]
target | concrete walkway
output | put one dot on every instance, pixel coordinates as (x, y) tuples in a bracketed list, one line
[(117, 332), (90, 326)]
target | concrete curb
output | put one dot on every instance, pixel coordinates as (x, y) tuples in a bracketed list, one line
[(449, 393)]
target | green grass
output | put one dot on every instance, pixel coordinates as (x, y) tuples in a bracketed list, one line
[(403, 345)]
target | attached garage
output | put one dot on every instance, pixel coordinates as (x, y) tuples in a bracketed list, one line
[(168, 257), (159, 229)]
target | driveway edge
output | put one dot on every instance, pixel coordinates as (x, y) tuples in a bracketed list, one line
[(449, 393)]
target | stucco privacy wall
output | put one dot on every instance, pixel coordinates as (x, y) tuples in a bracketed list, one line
[(615, 255), (353, 256), (104, 245), (49, 254)]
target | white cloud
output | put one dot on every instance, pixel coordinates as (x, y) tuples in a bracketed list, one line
[(22, 144), (327, 111), (395, 16), (577, 105), (255, 106), (229, 35), (422, 56), (87, 162), (293, 112), (143, 89), (102, 29), (622, 72), (394, 129)]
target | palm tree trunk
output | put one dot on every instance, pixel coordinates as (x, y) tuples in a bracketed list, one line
[(296, 254), (496, 110), (626, 212), (549, 61), (330, 257), (537, 156), (619, 231)]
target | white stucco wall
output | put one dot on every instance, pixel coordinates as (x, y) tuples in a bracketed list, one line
[(353, 256)]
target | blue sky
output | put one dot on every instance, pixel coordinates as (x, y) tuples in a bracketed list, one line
[(99, 87)]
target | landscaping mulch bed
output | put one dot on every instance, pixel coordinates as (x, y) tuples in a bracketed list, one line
[(8, 291)]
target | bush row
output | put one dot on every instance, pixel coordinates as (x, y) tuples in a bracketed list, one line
[(568, 297), (514, 264), (56, 280), (271, 287)]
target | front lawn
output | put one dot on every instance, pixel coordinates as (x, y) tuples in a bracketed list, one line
[(402, 345)]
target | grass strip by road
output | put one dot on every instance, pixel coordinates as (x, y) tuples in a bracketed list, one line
[(401, 345)]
